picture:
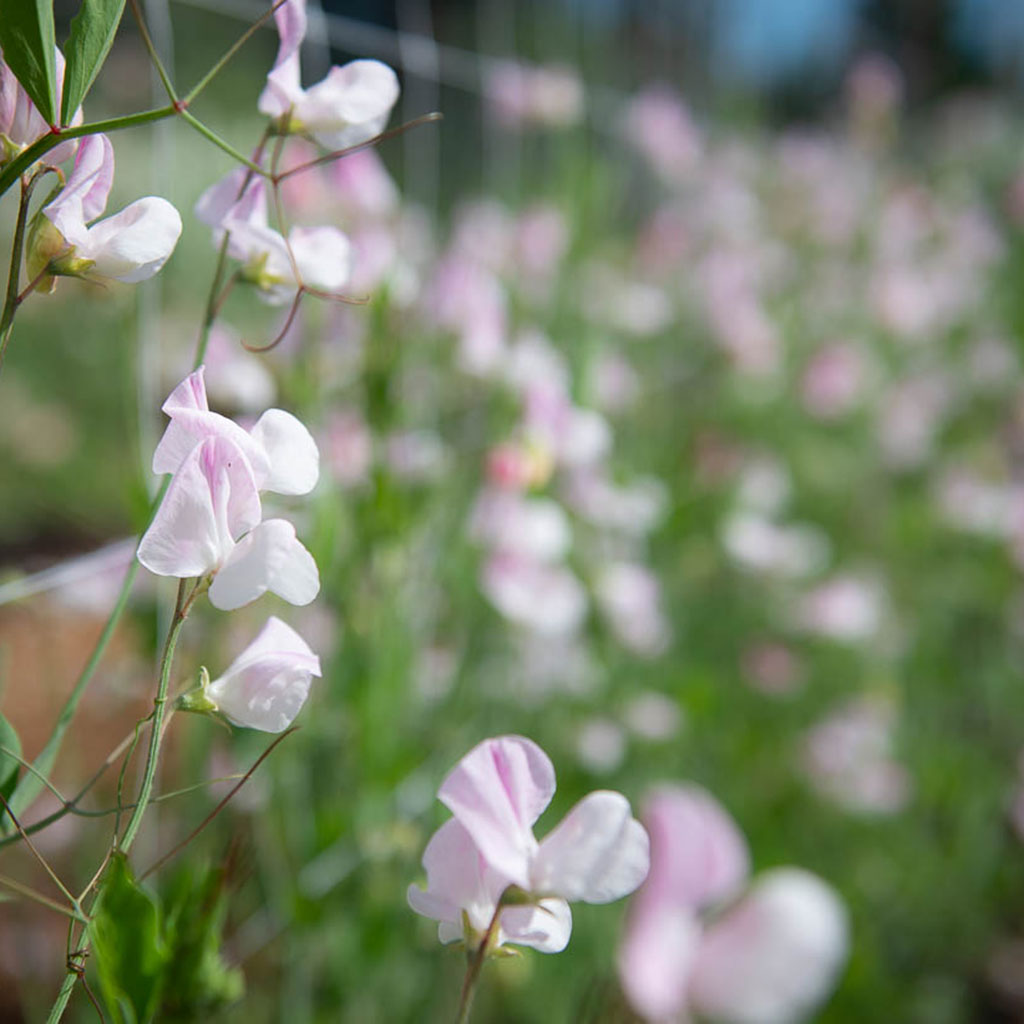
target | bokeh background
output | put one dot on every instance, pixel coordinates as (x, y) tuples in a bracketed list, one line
[(771, 250)]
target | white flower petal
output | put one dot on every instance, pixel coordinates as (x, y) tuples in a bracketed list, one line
[(267, 684), (293, 461), (134, 244), (267, 558), (774, 957), (598, 852)]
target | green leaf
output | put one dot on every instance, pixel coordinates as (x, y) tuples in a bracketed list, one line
[(92, 33), (199, 982), (129, 950), (9, 766), (27, 40), (9, 769)]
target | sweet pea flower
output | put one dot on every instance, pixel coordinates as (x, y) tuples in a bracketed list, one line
[(770, 957), (21, 123), (318, 257), (279, 450), (543, 598), (267, 684), (598, 853), (210, 524), (130, 246), (459, 881), (349, 106)]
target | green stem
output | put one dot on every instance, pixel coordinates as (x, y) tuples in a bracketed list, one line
[(37, 897), (147, 41), (181, 606), (475, 965), (235, 47), (28, 156), (213, 137), (14, 271)]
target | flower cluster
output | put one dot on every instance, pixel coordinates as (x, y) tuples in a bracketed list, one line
[(769, 957), (489, 879)]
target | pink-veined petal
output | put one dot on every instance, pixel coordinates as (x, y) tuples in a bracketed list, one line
[(212, 500), (598, 853), (84, 197), (269, 557), (267, 684), (457, 880), (774, 957), (284, 84), (192, 420), (293, 459), (498, 791)]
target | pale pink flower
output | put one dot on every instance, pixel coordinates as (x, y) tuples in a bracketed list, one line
[(130, 246), (363, 186), (547, 599), (772, 668), (319, 257), (634, 509), (597, 854), (653, 716), (210, 524), (759, 545), (629, 596), (661, 128), (267, 684), (349, 106), (848, 757), (349, 448), (460, 882), (530, 528), (833, 380), (548, 95), (601, 745), (612, 382), (416, 456), (848, 609), (769, 958)]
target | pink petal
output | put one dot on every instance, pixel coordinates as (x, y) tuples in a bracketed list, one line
[(698, 855), (267, 558), (598, 853), (84, 197), (656, 957), (283, 86), (212, 500), (774, 957), (497, 791), (457, 881), (191, 421), (267, 684)]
